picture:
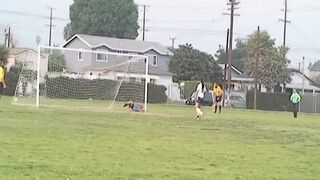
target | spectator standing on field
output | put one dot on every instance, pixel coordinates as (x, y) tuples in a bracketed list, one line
[(295, 99), (218, 93), (201, 89)]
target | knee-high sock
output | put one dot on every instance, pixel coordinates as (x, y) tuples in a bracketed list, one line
[(215, 108), (199, 112), (220, 109)]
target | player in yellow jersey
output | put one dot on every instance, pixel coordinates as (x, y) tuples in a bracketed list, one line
[(2, 79), (218, 93)]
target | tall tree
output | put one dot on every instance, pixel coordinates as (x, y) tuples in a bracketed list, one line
[(56, 61), (112, 18), (191, 64), (238, 55), (3, 55), (272, 66)]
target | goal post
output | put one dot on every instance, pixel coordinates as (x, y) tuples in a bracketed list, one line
[(118, 77)]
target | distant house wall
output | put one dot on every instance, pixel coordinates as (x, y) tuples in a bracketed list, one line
[(314, 74), (297, 78), (73, 63), (162, 60), (30, 60)]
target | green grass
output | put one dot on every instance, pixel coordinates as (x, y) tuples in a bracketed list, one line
[(166, 143)]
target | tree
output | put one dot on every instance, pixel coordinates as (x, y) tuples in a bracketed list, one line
[(112, 18), (272, 67), (191, 64), (56, 62), (315, 66), (3, 55), (238, 55)]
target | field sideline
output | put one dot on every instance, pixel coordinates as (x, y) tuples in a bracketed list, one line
[(166, 143)]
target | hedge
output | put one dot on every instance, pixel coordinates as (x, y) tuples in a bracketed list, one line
[(269, 101), (189, 88), (101, 89)]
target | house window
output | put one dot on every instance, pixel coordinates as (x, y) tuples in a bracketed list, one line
[(143, 80), (133, 80), (119, 78), (102, 57), (91, 73), (80, 56), (99, 74), (152, 81), (153, 60)]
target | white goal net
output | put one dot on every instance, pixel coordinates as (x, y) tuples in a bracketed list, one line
[(82, 79)]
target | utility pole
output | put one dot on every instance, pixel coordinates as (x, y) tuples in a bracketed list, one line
[(225, 66), (285, 21), (303, 76), (233, 6), (172, 42), (256, 70), (144, 23), (50, 26), (9, 37)]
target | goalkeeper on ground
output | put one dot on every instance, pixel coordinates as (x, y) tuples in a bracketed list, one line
[(134, 106)]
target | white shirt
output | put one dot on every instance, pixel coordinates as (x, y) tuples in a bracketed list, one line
[(200, 92)]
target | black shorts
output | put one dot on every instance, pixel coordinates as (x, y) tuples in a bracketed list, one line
[(200, 100), (218, 99), (1, 88)]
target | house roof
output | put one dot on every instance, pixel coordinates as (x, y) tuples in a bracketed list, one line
[(306, 87), (117, 44), (233, 68), (292, 70), (18, 51), (124, 66)]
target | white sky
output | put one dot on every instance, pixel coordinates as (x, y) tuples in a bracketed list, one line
[(199, 22)]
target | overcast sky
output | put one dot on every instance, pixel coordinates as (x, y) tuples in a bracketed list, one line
[(199, 22)]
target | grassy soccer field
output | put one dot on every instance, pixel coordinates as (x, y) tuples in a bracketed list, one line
[(166, 143)]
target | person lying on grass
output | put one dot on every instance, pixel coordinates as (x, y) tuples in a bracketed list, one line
[(134, 106)]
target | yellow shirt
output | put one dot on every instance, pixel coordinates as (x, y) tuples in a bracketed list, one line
[(2, 75), (217, 91)]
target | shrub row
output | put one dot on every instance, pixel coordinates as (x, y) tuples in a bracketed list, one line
[(269, 101), (101, 89)]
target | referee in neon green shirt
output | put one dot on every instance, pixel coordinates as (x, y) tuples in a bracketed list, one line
[(295, 100)]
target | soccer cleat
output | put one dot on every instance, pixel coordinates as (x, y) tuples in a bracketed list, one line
[(198, 118)]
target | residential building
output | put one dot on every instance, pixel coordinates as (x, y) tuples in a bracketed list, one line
[(28, 57), (239, 82), (99, 65)]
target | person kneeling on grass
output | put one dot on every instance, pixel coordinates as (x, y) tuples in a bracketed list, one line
[(134, 106)]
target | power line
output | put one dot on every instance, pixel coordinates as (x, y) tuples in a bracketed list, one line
[(31, 15)]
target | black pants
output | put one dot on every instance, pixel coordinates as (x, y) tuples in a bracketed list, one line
[(1, 89), (295, 109)]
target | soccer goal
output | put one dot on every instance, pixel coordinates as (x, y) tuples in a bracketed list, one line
[(79, 78)]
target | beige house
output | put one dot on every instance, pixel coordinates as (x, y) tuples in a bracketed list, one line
[(28, 57)]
